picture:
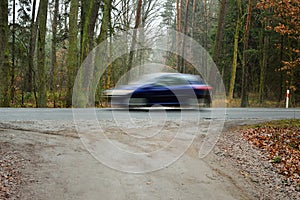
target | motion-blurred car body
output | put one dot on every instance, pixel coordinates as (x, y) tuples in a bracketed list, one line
[(162, 89)]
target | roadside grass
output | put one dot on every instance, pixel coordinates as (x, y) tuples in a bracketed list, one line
[(236, 103), (254, 102), (280, 141)]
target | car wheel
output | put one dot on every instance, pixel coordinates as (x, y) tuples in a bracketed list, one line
[(204, 102), (207, 102), (137, 102)]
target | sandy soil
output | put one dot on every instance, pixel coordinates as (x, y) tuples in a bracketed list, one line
[(56, 165)]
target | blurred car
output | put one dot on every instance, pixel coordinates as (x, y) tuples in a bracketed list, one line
[(162, 89)]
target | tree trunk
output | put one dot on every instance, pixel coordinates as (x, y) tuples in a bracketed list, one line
[(105, 22), (179, 30), (53, 59), (205, 31), (219, 36), (72, 59), (182, 63), (264, 38), (13, 66), (235, 52), (92, 22), (282, 81), (178, 15), (134, 37), (90, 10), (28, 82), (193, 25), (4, 55), (41, 56), (105, 31), (245, 84)]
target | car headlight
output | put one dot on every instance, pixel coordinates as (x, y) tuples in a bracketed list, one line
[(117, 92)]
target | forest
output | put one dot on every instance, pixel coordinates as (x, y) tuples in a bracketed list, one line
[(254, 43)]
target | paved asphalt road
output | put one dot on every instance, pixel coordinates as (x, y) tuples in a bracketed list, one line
[(27, 114)]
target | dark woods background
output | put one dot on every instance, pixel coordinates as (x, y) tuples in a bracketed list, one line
[(255, 45)]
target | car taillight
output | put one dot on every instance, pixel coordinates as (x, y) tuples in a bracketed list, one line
[(202, 87)]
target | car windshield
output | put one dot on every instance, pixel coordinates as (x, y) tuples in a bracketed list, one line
[(149, 78)]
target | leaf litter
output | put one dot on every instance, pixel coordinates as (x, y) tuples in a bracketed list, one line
[(11, 164), (280, 142)]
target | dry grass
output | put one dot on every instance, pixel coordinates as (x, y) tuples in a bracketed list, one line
[(254, 102)]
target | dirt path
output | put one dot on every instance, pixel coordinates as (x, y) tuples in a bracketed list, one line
[(58, 166)]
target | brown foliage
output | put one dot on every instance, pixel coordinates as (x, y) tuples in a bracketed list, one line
[(10, 174), (282, 146), (286, 21), (287, 14)]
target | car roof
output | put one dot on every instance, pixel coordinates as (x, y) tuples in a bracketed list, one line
[(154, 76)]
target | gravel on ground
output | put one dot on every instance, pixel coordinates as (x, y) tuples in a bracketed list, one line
[(233, 158)]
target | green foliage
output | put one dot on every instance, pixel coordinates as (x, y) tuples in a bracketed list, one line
[(168, 14), (276, 159)]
